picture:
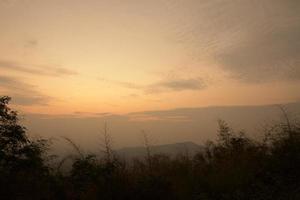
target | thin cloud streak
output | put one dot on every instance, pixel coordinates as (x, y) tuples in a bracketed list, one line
[(31, 43), (168, 85), (22, 93), (176, 85), (36, 69)]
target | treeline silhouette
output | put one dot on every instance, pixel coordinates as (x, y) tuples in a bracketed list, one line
[(232, 167)]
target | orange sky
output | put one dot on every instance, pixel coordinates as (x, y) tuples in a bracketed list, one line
[(66, 56)]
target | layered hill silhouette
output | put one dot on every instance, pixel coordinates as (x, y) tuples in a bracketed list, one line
[(165, 126), (172, 150)]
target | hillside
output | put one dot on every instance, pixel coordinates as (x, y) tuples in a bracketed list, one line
[(186, 148)]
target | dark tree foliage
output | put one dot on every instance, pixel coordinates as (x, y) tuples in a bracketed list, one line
[(22, 168), (17, 151), (234, 167)]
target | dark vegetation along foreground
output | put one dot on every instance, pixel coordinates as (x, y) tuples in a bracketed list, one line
[(233, 167)]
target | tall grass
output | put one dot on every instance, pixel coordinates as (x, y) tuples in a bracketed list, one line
[(232, 167)]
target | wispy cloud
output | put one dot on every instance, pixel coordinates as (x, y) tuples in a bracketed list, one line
[(254, 41), (167, 85), (31, 43), (124, 84), (176, 85), (21, 92), (129, 85), (13, 83), (148, 117), (81, 113), (270, 51), (36, 69)]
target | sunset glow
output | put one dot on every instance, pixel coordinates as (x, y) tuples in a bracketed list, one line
[(61, 57)]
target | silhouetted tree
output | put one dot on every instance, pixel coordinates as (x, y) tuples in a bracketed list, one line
[(22, 167)]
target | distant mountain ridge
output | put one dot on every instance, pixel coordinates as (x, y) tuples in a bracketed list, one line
[(182, 148), (166, 126)]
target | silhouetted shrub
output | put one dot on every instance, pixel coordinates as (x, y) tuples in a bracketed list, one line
[(23, 174), (232, 167)]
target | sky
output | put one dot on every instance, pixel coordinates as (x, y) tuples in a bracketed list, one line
[(98, 57)]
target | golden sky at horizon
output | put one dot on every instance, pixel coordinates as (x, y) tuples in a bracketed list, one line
[(66, 56)]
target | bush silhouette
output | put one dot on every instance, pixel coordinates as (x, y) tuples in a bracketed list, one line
[(22, 168), (232, 167)]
